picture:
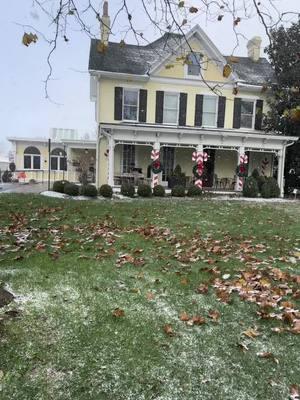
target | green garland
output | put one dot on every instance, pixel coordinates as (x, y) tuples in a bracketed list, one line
[(196, 173), (156, 167)]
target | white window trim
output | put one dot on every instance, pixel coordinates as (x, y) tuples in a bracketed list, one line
[(177, 115), (58, 162), (217, 110), (31, 162), (194, 77), (131, 89), (252, 100)]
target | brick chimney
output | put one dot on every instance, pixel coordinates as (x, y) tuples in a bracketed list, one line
[(105, 24), (253, 47)]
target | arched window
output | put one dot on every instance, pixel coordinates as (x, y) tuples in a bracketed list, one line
[(58, 160), (32, 158)]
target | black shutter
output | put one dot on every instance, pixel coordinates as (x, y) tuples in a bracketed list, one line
[(237, 113), (182, 109), (221, 112), (159, 107), (118, 103), (198, 109), (143, 106), (259, 114)]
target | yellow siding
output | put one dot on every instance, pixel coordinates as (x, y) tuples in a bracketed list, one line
[(106, 103)]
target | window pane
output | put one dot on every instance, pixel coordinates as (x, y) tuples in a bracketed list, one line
[(194, 64), (130, 113), (209, 104), (170, 116), (54, 163), (209, 119), (63, 164), (36, 162), (246, 121), (128, 158), (27, 162), (171, 101), (131, 97), (168, 162), (247, 107)]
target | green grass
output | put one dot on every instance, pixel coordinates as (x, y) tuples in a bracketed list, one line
[(67, 278)]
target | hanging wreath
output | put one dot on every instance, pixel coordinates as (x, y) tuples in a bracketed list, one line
[(196, 170), (242, 170), (156, 167)]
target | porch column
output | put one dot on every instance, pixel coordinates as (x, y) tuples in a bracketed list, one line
[(111, 160), (156, 178), (199, 148), (241, 150), (280, 173)]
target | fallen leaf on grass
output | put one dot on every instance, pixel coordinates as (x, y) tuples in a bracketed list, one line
[(296, 328), (267, 354), (294, 392), (251, 333), (169, 330), (184, 317), (118, 312), (150, 296), (202, 289), (196, 320), (243, 346), (214, 315)]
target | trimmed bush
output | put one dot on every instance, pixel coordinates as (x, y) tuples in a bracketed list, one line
[(270, 188), (194, 191), (178, 191), (71, 189), (261, 180), (176, 178), (59, 186), (106, 191), (89, 190), (32, 181), (6, 177), (127, 190), (255, 173), (144, 190), (250, 188), (159, 191)]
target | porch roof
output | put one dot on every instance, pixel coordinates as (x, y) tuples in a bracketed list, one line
[(192, 136)]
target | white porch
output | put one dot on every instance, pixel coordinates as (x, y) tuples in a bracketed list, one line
[(266, 153)]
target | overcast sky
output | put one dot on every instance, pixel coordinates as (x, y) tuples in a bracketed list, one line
[(24, 111)]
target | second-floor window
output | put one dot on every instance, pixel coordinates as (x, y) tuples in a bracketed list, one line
[(247, 114), (209, 115), (171, 108), (130, 104)]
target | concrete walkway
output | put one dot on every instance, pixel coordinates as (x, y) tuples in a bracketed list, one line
[(23, 187)]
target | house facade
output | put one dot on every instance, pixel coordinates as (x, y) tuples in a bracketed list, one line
[(181, 98), (65, 159)]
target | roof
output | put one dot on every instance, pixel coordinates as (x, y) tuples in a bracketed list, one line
[(139, 60)]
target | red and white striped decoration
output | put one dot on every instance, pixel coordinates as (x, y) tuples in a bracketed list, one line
[(243, 160), (264, 165), (199, 157), (154, 157)]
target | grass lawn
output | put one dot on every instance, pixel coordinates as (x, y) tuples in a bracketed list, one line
[(149, 299)]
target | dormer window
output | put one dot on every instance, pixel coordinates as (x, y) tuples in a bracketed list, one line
[(194, 64)]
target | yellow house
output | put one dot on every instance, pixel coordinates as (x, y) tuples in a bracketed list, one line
[(180, 96)]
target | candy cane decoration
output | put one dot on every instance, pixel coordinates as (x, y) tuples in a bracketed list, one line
[(154, 157), (264, 165), (243, 160), (199, 157)]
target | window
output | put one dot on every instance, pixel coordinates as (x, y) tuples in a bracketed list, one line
[(194, 66), (58, 160), (171, 105), (247, 114), (168, 162), (128, 161), (130, 104), (32, 158), (209, 116)]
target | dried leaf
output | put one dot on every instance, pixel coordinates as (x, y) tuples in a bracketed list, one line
[(168, 330), (267, 354), (184, 317), (294, 392), (227, 70), (150, 296), (220, 17), (193, 10), (202, 289), (118, 312), (214, 315), (251, 333)]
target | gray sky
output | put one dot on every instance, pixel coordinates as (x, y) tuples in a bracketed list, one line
[(24, 111)]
